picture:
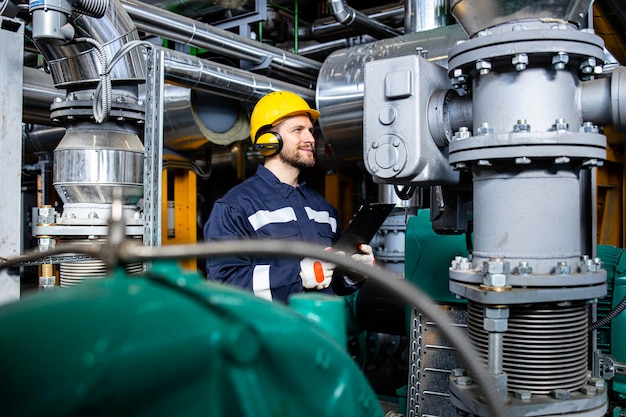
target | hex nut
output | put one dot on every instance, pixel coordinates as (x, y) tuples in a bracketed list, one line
[(464, 381), (495, 280), (559, 60), (462, 264), (520, 61), (495, 266), (562, 268), (589, 390), (524, 268), (484, 129), (495, 325), (561, 394), (463, 133), (496, 313), (596, 382)]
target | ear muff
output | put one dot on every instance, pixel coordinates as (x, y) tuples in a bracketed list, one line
[(267, 143)]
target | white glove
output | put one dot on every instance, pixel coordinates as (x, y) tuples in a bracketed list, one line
[(366, 256), (315, 273)]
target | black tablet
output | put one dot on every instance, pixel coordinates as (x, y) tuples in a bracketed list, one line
[(363, 226)]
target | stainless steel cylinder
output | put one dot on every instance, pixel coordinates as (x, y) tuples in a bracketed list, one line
[(90, 163)]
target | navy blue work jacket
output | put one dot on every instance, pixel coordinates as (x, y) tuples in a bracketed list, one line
[(265, 208)]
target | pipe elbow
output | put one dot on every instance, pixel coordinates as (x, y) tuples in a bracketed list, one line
[(342, 12)]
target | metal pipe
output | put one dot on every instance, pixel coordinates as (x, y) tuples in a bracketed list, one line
[(411, 17), (180, 69), (348, 16), (77, 63), (197, 73), (424, 15), (38, 93), (328, 28), (191, 32)]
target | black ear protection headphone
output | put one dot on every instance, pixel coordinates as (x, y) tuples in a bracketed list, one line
[(266, 142)]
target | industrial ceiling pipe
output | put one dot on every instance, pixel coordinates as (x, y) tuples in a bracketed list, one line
[(198, 73), (191, 32), (348, 16), (328, 28)]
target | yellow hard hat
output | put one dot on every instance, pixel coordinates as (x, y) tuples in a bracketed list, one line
[(274, 107)]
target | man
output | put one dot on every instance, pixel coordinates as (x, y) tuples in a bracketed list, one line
[(273, 204)]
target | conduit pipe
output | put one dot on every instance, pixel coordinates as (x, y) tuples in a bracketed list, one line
[(197, 73), (191, 32), (346, 15)]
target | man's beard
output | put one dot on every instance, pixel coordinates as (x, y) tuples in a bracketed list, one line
[(296, 160)]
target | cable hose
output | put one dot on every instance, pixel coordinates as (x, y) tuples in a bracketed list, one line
[(129, 251), (93, 8), (621, 306), (103, 93)]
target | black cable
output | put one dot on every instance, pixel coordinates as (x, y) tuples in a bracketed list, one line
[(404, 193), (621, 306), (404, 290)]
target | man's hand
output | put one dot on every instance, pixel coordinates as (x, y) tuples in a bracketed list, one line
[(366, 256), (315, 273)]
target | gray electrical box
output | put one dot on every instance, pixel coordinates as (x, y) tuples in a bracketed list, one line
[(398, 147)]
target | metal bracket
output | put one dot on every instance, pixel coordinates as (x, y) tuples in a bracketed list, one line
[(609, 367)]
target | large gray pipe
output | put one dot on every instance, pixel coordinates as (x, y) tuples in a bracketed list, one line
[(191, 32), (38, 93)]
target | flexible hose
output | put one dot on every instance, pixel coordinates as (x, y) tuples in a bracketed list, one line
[(621, 306), (102, 95), (93, 8), (400, 288)]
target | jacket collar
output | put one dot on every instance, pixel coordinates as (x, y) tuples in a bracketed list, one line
[(272, 180)]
